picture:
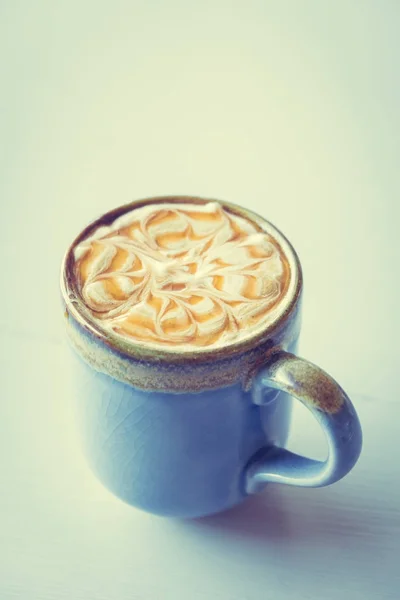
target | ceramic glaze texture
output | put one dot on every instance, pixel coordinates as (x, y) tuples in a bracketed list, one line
[(174, 454)]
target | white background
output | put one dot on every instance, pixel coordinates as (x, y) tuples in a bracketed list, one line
[(288, 108)]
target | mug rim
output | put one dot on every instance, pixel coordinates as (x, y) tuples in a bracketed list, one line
[(75, 307)]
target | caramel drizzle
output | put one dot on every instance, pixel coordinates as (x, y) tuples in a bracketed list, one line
[(181, 275)]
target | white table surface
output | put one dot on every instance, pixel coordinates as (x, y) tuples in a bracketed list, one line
[(290, 109)]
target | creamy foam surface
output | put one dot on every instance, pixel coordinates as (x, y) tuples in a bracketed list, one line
[(181, 275)]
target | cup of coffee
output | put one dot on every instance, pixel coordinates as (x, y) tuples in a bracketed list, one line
[(183, 315)]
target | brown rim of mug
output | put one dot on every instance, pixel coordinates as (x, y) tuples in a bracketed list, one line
[(77, 310)]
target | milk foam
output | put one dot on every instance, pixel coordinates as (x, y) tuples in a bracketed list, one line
[(183, 275)]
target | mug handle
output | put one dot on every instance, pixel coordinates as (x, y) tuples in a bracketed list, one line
[(331, 407)]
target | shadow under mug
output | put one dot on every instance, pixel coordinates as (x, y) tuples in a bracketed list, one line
[(191, 434)]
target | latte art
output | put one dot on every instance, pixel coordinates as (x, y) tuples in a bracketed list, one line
[(181, 275)]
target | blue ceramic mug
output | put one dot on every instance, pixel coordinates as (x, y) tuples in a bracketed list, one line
[(192, 434)]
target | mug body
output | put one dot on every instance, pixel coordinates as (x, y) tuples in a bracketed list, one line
[(169, 453)]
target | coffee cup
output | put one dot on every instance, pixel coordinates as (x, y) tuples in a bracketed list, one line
[(185, 411)]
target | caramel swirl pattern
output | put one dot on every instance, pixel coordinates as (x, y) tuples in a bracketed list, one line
[(181, 274)]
